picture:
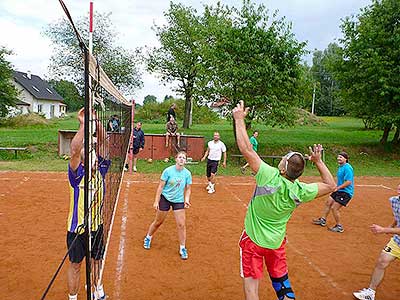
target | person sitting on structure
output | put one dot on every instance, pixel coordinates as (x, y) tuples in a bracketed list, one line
[(172, 130)]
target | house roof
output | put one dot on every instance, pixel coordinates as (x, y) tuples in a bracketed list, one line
[(20, 102), (38, 87)]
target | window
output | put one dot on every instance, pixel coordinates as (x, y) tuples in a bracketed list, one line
[(49, 90), (35, 88), (40, 108)]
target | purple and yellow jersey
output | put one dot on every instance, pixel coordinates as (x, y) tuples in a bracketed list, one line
[(76, 210)]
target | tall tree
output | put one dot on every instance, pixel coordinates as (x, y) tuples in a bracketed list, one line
[(369, 68), (328, 101), (178, 57), (67, 63), (69, 92), (252, 55), (8, 92), (149, 99)]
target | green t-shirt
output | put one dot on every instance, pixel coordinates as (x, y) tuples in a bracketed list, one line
[(272, 205), (254, 143)]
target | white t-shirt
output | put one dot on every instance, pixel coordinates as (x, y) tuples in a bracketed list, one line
[(216, 150)]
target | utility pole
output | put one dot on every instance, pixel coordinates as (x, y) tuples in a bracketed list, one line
[(313, 100)]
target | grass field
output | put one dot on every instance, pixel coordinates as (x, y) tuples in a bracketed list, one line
[(367, 156)]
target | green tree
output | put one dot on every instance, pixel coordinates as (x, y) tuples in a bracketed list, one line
[(369, 68), (327, 99), (253, 56), (178, 57), (8, 92), (69, 92), (66, 63), (149, 99)]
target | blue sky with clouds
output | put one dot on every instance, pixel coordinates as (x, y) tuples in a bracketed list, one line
[(22, 23)]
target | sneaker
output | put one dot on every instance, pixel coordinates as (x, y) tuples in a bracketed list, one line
[(146, 243), (126, 168), (211, 190), (134, 169), (320, 221), (243, 170), (337, 228), (208, 187), (183, 253), (365, 294)]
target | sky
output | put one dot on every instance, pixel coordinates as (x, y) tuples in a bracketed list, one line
[(22, 24)]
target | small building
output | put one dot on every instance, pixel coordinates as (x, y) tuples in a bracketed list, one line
[(36, 95)]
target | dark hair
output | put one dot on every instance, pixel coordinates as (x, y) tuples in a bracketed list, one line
[(345, 155), (295, 166)]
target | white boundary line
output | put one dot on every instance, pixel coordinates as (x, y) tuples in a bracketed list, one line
[(121, 249), (110, 229), (309, 261)]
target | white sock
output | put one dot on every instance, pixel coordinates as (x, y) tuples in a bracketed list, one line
[(181, 247), (100, 291), (209, 184), (73, 297), (148, 236)]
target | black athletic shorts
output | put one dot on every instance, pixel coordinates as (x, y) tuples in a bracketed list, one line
[(341, 197), (165, 205), (212, 167), (77, 251), (135, 150)]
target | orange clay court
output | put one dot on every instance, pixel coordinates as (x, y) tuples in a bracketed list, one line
[(322, 264)]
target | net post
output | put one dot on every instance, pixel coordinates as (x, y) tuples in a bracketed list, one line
[(132, 136), (87, 175)]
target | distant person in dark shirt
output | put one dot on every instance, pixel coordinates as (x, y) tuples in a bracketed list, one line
[(113, 124), (138, 144), (171, 112), (172, 130)]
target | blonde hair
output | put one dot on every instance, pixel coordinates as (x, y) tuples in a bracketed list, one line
[(181, 152)]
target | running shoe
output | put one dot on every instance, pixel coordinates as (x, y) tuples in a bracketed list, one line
[(146, 243), (211, 190), (183, 253), (243, 170), (365, 294), (320, 221), (208, 187), (337, 228)]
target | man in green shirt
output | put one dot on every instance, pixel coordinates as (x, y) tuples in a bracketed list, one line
[(277, 194), (254, 143)]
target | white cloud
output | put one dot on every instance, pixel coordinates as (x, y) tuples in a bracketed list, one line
[(22, 22)]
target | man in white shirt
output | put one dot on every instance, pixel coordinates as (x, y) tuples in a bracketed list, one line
[(214, 151)]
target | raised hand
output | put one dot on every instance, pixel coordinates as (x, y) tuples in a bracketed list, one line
[(240, 112), (81, 116), (315, 153)]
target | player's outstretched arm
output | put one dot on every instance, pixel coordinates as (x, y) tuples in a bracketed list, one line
[(328, 184), (77, 142), (379, 229), (243, 142)]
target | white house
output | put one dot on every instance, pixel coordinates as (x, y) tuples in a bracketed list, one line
[(36, 95)]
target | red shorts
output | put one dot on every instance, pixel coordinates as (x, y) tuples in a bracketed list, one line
[(252, 257)]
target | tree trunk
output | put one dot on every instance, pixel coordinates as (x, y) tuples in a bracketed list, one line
[(396, 137), (386, 132), (188, 105)]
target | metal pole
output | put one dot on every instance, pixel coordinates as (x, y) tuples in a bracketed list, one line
[(313, 100), (87, 175), (132, 136)]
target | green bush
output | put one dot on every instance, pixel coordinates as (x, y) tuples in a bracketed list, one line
[(24, 120)]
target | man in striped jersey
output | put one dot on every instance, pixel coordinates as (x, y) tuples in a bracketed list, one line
[(75, 224)]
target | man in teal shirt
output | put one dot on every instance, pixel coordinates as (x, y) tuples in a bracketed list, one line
[(277, 194), (254, 143)]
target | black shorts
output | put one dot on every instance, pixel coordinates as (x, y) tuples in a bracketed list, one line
[(212, 167), (164, 204), (135, 150), (341, 197), (77, 251)]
